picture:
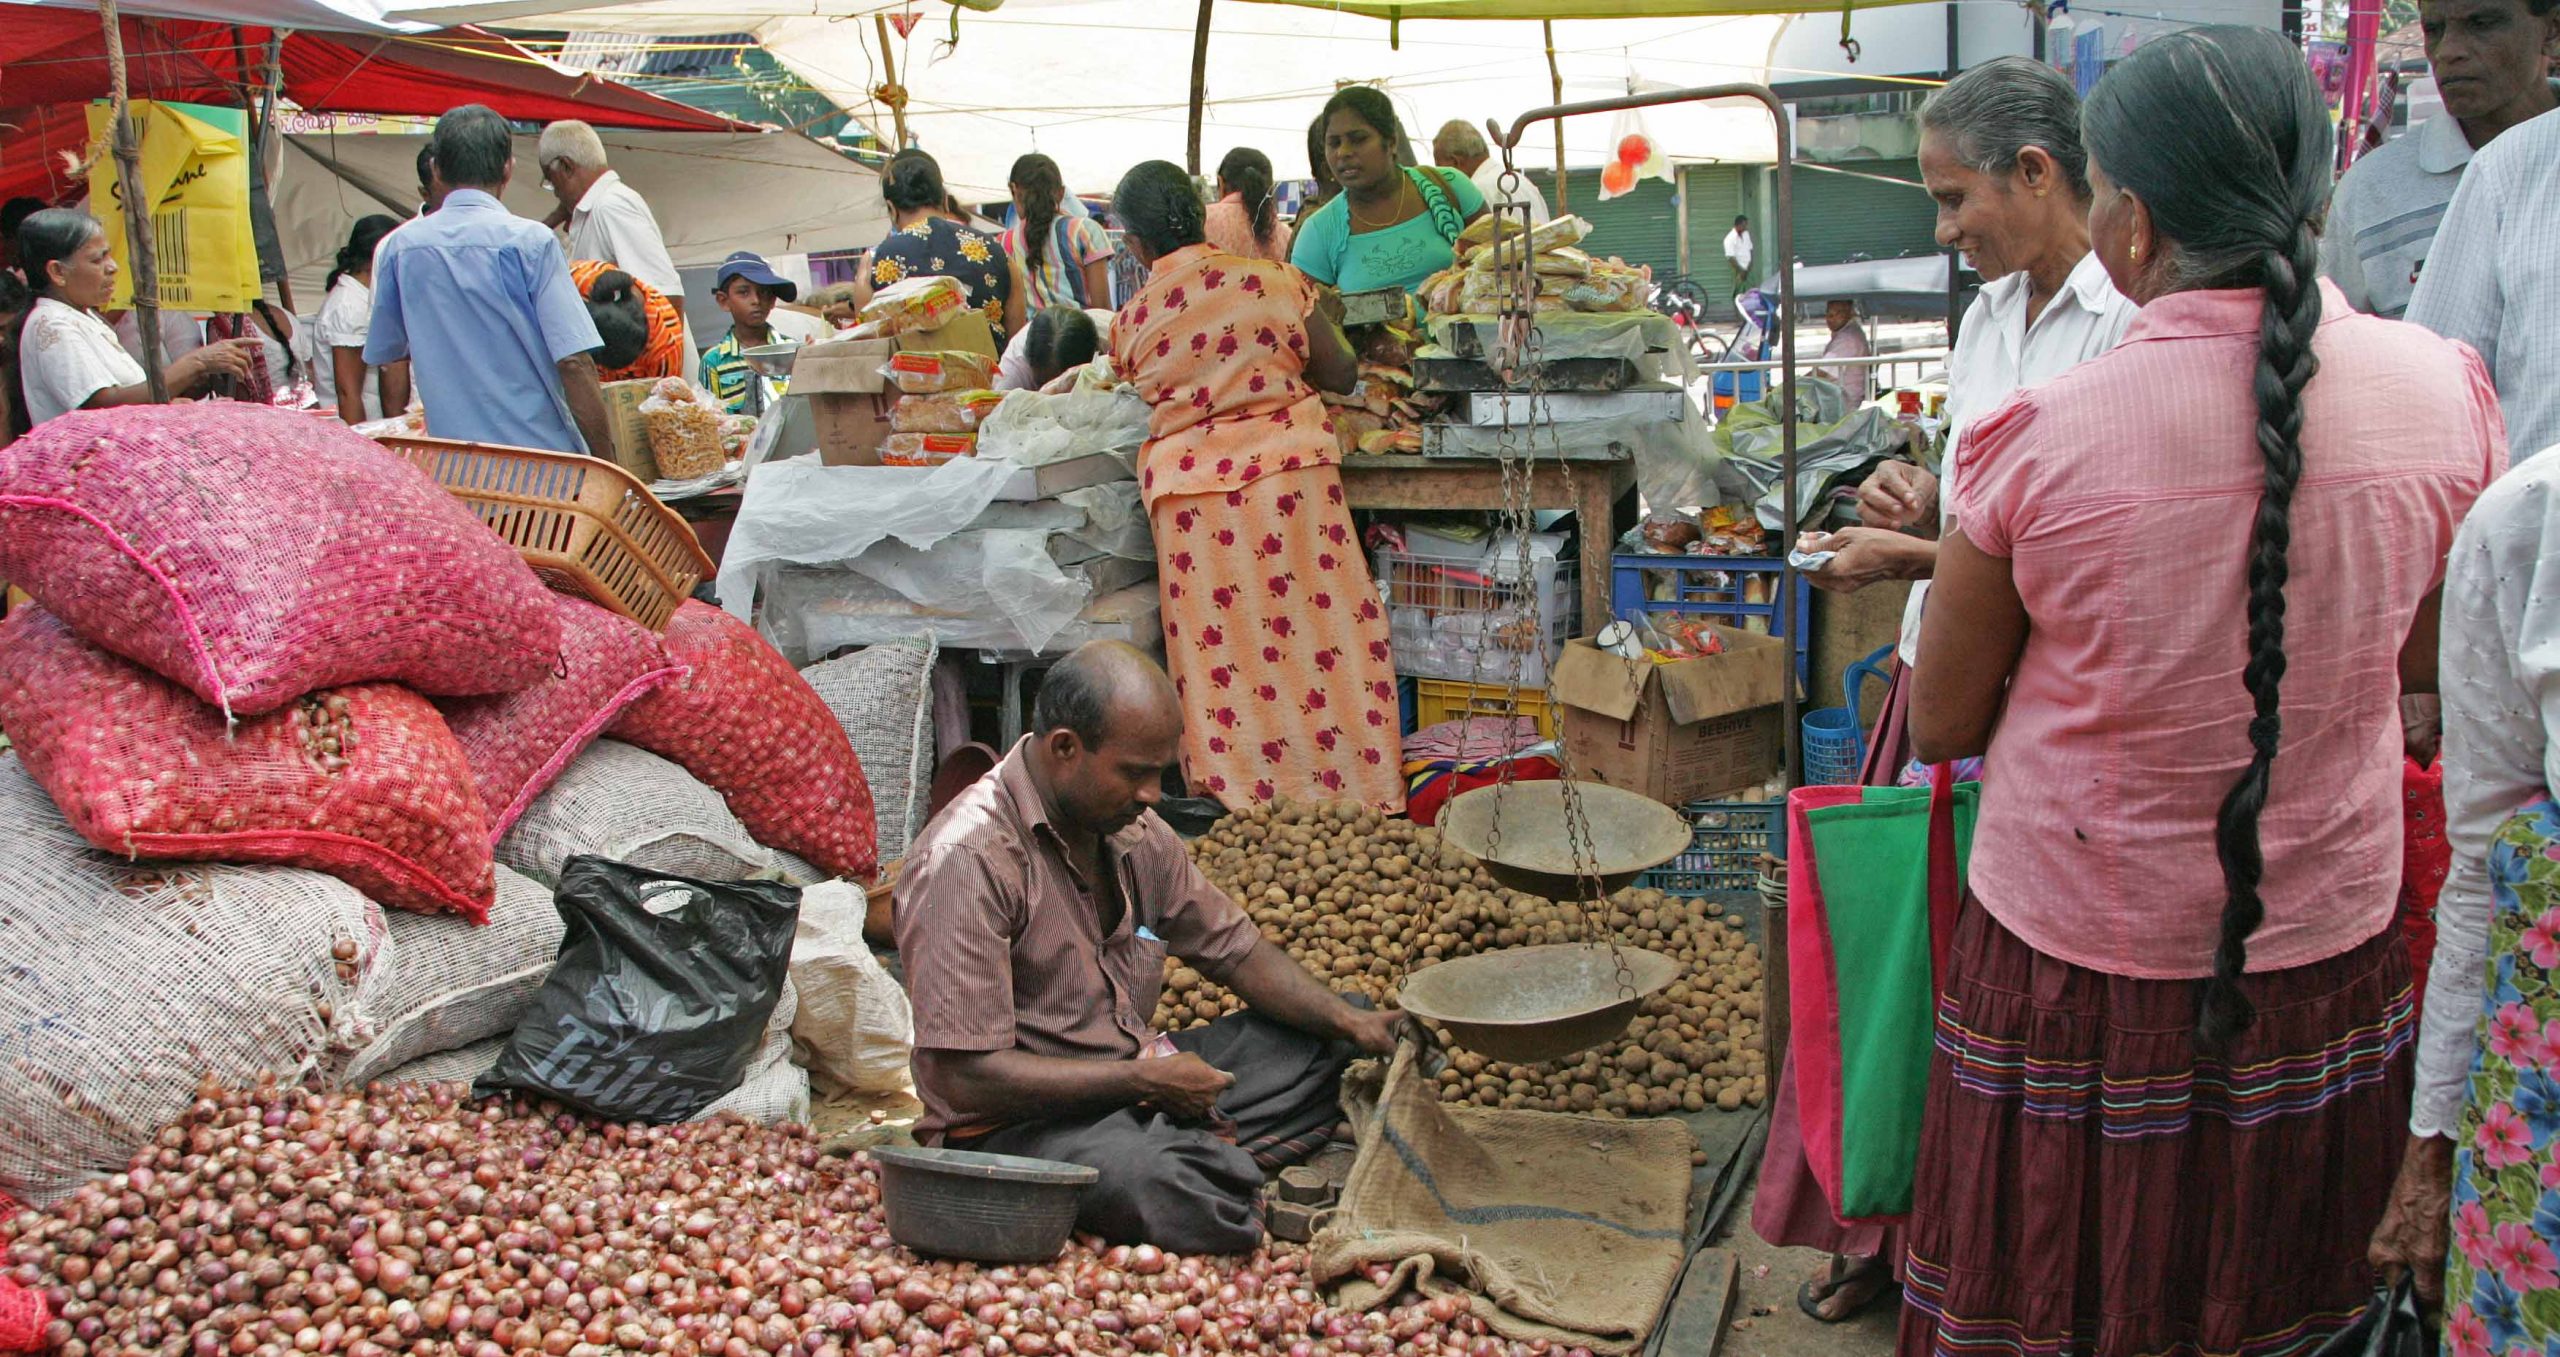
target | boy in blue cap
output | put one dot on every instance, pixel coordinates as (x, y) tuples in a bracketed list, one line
[(747, 288)]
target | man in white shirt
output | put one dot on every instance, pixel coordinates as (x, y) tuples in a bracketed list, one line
[(2491, 64), (1737, 252), (606, 219), (1462, 148), (2493, 279)]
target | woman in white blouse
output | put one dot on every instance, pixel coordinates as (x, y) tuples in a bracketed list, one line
[(2484, 1146), (361, 393), (68, 358)]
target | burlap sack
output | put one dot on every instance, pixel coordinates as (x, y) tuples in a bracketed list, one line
[(629, 805), (445, 984), (883, 697), (1565, 1228), (854, 1022)]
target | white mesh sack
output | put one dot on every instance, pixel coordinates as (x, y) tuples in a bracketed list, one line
[(621, 802), (127, 985), (774, 1088), (883, 697), (853, 1020), (448, 984), (796, 870)]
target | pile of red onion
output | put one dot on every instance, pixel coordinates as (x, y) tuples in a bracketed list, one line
[(281, 1220)]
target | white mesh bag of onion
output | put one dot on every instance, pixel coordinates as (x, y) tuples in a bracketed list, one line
[(445, 983), (621, 802), (125, 984)]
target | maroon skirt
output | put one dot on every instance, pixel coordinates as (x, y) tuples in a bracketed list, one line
[(2088, 1185)]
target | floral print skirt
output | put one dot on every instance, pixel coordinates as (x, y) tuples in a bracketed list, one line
[(2502, 1281), (1275, 638)]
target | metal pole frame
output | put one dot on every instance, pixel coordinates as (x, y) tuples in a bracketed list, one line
[(1789, 579)]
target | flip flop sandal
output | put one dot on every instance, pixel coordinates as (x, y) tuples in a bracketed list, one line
[(1814, 1291)]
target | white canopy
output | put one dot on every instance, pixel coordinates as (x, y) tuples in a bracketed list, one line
[(1099, 85), (776, 193), (328, 16)]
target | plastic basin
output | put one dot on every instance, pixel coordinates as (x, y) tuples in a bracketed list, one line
[(987, 1208)]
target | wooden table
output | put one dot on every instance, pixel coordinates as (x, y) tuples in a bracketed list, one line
[(1598, 483)]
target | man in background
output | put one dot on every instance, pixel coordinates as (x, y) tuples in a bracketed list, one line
[(1462, 148), (430, 193), (2492, 65), (1848, 340), (605, 218), (1737, 252), (480, 302)]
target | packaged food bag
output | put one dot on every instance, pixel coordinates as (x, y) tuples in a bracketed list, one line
[(518, 744), (1554, 234), (926, 449), (362, 782), (747, 724), (915, 304), (685, 431), (926, 374), (659, 1001), (253, 555), (952, 412)]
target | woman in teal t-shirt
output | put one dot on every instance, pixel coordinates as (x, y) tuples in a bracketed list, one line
[(1393, 225)]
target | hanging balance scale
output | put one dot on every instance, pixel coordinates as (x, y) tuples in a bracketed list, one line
[(1570, 841)]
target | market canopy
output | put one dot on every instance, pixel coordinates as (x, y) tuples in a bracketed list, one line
[(1397, 11), (331, 16)]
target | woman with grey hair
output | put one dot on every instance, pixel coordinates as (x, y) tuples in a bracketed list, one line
[(2000, 151)]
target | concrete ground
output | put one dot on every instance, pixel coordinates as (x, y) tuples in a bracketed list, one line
[(1766, 1322)]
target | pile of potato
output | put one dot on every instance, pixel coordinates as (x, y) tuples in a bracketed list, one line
[(1361, 898)]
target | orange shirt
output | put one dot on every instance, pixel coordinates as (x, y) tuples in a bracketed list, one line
[(663, 355), (1218, 347)]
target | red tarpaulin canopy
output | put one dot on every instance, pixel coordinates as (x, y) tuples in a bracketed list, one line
[(53, 62)]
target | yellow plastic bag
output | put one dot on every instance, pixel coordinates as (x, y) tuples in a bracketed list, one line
[(195, 176)]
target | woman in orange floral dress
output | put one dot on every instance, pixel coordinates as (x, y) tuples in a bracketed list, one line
[(1272, 628)]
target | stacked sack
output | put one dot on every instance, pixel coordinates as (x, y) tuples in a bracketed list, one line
[(264, 639)]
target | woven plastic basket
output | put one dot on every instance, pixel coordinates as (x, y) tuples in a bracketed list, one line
[(584, 525)]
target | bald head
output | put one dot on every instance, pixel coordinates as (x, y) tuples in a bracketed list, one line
[(1104, 687)]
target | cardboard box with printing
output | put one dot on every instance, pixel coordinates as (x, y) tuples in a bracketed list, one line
[(1686, 731)]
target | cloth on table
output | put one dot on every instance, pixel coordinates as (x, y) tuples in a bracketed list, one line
[(1187, 1187), (2089, 1184), (1278, 645), (1448, 760)]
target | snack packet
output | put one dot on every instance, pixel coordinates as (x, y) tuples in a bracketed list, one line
[(926, 374)]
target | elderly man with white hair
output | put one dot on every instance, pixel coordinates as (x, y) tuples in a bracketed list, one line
[(605, 217), (1459, 146)]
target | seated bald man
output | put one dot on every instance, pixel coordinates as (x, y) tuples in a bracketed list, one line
[(1034, 917)]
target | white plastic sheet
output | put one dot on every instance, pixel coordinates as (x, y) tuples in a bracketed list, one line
[(1032, 429), (1115, 520), (996, 590), (801, 511)]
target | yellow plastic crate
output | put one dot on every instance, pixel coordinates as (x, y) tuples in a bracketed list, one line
[(1438, 700)]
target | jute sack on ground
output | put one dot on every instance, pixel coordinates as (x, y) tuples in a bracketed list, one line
[(127, 985), (854, 1021), (445, 984), (1565, 1228), (774, 1090), (883, 697), (629, 805)]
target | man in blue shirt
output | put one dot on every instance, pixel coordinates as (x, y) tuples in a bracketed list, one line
[(480, 302)]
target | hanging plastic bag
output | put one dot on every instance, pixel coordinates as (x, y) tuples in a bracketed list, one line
[(1638, 156), (661, 994), (2393, 1324)]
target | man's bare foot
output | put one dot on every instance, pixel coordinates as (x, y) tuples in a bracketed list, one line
[(1844, 1288)]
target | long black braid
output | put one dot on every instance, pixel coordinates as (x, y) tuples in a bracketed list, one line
[(2221, 136), (1043, 188)]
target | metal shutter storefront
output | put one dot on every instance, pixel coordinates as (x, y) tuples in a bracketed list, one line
[(1843, 216), (1642, 227), (1715, 195)]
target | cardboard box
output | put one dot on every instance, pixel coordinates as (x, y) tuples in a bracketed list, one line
[(967, 332), (848, 398), (1686, 731), (631, 431)]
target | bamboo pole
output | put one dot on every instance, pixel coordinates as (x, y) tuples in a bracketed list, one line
[(894, 96), (1199, 80), (1555, 78), (137, 214)]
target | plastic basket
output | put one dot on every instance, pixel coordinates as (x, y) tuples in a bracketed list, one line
[(1474, 618), (1438, 700), (1726, 842), (1738, 591), (585, 525), (1831, 747)]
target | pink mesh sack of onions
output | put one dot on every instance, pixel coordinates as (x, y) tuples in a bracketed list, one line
[(253, 555), (519, 743), (361, 782), (746, 723)]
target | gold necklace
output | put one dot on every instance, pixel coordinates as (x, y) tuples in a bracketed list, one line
[(1405, 186)]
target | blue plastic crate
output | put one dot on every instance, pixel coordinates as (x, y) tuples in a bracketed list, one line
[(1405, 709), (1726, 840), (1715, 588)]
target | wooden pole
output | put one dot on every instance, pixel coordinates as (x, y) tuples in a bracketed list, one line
[(1199, 79), (895, 96), (137, 214), (1555, 78)]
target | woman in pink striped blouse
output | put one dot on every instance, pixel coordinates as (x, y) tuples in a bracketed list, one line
[(2184, 586)]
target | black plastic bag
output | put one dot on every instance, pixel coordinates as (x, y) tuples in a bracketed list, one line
[(661, 994), (2393, 1325)]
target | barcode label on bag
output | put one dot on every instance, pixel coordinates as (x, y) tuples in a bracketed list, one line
[(170, 241)]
